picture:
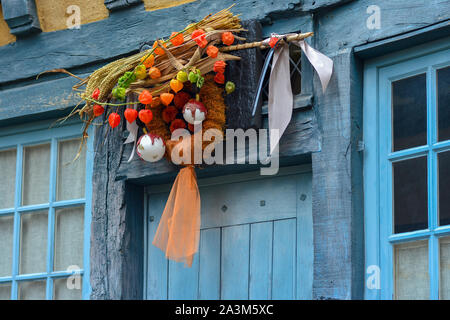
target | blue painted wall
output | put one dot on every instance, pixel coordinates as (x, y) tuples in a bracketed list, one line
[(340, 29)]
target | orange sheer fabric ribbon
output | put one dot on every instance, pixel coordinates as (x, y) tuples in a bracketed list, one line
[(178, 231)]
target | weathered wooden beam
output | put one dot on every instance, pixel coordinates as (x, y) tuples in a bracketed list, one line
[(21, 16), (302, 137), (117, 231), (29, 56), (40, 97), (114, 5), (314, 5), (337, 195)]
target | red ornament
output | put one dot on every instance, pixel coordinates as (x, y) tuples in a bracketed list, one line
[(150, 147), (181, 98), (145, 115), (96, 94), (145, 97), (169, 114), (130, 115), (194, 111), (114, 120), (227, 38), (273, 41), (219, 66), (177, 124), (219, 78), (98, 110)]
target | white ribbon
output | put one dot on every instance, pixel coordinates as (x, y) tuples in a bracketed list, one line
[(132, 128), (280, 103), (321, 63), (280, 95)]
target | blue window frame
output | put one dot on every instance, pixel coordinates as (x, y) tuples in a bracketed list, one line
[(406, 161), (63, 211)]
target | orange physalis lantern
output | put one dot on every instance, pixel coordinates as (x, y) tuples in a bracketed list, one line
[(166, 98), (145, 97), (130, 114), (273, 41), (176, 38), (227, 38), (177, 124), (148, 60), (158, 50), (219, 66), (114, 120), (219, 78), (145, 115), (169, 114), (197, 33), (154, 73), (176, 85), (98, 110), (212, 51)]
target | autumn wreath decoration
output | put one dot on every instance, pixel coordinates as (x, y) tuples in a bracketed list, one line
[(179, 83)]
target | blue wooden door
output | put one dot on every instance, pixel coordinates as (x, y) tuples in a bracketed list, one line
[(255, 242)]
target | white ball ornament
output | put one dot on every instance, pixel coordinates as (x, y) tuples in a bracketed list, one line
[(194, 112), (151, 147)]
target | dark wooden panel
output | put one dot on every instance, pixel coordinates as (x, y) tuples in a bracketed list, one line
[(245, 74)]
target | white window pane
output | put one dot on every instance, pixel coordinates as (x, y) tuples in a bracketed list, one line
[(444, 245), (7, 177), (36, 174), (5, 291), (69, 231), (411, 275), (33, 242), (71, 174), (6, 244), (67, 289), (31, 290)]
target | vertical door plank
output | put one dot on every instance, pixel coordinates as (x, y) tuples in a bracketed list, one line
[(209, 270), (261, 261), (235, 262), (183, 281), (305, 245), (284, 247), (157, 262)]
